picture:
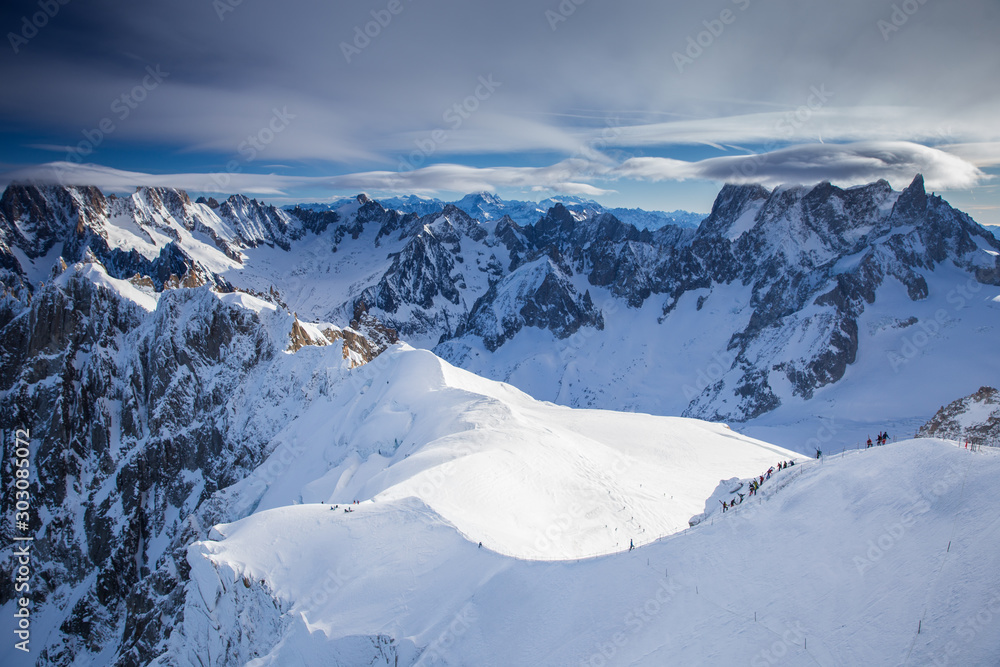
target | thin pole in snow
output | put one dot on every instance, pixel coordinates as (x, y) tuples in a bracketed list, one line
[(755, 617), (949, 546), (918, 626)]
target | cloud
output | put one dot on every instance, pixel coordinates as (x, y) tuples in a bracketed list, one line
[(986, 154), (117, 180), (843, 164), (846, 164), (605, 58)]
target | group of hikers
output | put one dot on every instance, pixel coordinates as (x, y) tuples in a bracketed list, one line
[(755, 485), (347, 510), (880, 440)]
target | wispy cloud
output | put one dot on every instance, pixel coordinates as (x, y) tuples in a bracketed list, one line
[(842, 164)]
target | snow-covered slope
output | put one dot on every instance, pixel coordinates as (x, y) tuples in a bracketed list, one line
[(884, 557), (501, 466)]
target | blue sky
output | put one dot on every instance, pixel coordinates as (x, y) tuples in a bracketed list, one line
[(630, 103)]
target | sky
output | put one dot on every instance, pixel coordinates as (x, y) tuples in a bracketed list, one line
[(631, 103)]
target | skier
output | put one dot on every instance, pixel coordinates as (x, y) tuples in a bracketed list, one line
[(869, 442), (791, 463), (631, 545), (480, 545)]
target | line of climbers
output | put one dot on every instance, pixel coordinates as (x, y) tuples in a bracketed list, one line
[(755, 485), (879, 441)]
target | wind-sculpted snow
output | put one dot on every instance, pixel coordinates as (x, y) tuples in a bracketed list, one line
[(879, 557)]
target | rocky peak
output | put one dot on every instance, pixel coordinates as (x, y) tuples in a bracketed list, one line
[(257, 223), (912, 201), (731, 203), (553, 228), (210, 202), (975, 418), (34, 218)]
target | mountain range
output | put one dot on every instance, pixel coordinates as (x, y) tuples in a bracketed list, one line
[(183, 366), (487, 206)]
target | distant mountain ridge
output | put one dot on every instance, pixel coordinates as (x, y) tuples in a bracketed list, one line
[(487, 207)]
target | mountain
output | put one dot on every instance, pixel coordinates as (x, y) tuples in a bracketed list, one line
[(132, 366), (191, 372), (488, 207), (891, 540), (974, 418), (783, 305)]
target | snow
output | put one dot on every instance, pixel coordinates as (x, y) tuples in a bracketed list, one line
[(838, 564), (498, 464), (745, 222), (99, 276)]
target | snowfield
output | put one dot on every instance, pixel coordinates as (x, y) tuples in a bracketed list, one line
[(525, 478), (834, 562)]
